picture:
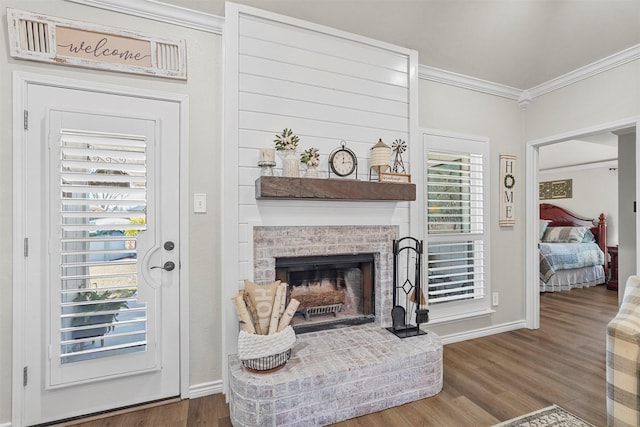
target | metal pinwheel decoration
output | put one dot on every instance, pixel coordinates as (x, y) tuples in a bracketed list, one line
[(399, 146)]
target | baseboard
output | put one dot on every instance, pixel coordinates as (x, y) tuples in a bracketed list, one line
[(204, 389), (483, 332)]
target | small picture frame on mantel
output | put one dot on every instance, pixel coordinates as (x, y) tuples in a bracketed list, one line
[(397, 178)]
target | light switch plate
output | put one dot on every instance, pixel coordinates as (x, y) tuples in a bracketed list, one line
[(199, 203)]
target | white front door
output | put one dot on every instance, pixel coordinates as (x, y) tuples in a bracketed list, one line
[(102, 251)]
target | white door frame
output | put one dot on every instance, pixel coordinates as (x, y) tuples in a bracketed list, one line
[(21, 80), (532, 264)]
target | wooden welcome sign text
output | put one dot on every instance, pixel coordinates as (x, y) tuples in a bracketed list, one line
[(47, 39), (75, 43)]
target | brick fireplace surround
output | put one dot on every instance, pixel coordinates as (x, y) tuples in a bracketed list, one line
[(341, 373)]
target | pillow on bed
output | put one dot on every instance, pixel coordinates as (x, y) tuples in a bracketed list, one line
[(589, 237), (543, 226), (564, 234)]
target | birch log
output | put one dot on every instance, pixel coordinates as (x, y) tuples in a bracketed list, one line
[(243, 313), (275, 311), (283, 304), (288, 314), (253, 312)]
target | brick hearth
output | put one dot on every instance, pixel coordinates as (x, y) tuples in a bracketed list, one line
[(337, 374)]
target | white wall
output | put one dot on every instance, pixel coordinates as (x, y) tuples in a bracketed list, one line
[(595, 191), (500, 120), (604, 98), (204, 57)]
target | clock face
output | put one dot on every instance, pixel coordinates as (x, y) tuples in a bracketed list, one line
[(343, 162)]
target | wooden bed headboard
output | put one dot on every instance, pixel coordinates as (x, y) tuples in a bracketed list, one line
[(562, 217)]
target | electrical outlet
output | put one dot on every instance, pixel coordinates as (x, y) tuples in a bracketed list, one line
[(495, 298)]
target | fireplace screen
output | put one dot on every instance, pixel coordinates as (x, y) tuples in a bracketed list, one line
[(332, 290)]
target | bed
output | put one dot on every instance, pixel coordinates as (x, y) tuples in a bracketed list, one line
[(573, 249)]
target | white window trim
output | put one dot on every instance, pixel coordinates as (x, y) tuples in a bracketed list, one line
[(461, 310)]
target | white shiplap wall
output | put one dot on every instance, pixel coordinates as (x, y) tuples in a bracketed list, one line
[(327, 86)]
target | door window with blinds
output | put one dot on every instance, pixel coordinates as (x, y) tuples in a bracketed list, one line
[(456, 225), (101, 192)]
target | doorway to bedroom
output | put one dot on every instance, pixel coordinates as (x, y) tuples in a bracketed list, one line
[(590, 177)]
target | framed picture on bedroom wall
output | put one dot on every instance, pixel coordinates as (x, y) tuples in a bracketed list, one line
[(559, 189)]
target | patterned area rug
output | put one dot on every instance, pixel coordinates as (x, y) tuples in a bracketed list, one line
[(551, 416)]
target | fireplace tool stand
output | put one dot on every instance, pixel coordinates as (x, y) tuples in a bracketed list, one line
[(407, 290)]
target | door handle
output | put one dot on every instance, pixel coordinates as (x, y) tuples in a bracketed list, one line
[(168, 266)]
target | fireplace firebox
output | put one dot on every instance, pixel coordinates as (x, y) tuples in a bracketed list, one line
[(333, 290)]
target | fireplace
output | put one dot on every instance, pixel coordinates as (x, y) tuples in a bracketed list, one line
[(333, 290), (276, 244), (341, 372)]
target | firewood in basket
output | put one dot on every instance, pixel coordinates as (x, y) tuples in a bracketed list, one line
[(275, 311), (288, 314), (253, 313), (283, 304), (243, 313)]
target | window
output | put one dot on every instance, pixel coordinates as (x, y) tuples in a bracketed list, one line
[(456, 200), (101, 184)]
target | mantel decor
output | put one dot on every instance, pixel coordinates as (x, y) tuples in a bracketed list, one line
[(379, 159), (44, 38), (507, 189)]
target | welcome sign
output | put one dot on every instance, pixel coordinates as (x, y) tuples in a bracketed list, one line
[(55, 40), (76, 43)]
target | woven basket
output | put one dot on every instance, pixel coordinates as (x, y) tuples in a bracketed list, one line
[(265, 353), (265, 365)]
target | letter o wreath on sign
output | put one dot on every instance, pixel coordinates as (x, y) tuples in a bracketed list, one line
[(509, 181)]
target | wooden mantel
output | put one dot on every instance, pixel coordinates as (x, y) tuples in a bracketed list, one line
[(276, 187)]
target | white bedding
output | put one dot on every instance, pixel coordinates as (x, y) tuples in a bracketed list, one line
[(564, 280)]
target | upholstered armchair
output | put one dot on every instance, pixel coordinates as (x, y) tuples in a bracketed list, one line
[(623, 360)]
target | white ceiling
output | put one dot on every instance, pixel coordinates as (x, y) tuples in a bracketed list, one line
[(518, 43), (596, 151)]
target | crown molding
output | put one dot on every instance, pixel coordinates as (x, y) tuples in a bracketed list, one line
[(582, 73), (525, 97), (158, 11), (467, 82)]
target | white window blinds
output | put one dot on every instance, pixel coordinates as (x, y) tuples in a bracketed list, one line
[(455, 222), (101, 192)]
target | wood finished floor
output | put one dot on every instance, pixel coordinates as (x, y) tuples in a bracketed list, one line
[(486, 380)]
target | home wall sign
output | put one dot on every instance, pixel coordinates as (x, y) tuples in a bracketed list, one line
[(55, 40), (559, 189), (507, 189)]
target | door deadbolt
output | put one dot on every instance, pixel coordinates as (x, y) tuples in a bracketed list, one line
[(168, 266), (169, 245)]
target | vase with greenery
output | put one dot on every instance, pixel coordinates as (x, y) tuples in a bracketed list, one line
[(287, 142), (311, 158)]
